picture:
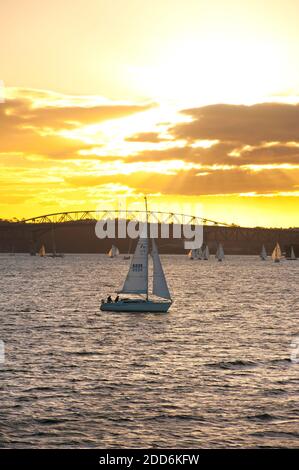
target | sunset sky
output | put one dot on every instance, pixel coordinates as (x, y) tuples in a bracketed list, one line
[(190, 101)]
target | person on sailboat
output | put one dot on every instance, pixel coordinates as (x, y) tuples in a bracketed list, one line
[(109, 299), (116, 298)]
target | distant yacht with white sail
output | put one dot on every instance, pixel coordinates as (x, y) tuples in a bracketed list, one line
[(54, 253), (195, 253), (206, 253), (192, 254), (293, 256), (263, 254), (220, 253), (113, 252), (276, 255), (137, 283)]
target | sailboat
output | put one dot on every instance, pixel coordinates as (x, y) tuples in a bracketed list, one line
[(113, 252), (206, 253), (42, 251), (220, 253), (293, 256), (195, 253), (192, 254), (137, 283), (276, 255), (263, 254), (54, 253)]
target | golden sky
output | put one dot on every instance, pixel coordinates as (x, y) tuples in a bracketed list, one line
[(188, 101)]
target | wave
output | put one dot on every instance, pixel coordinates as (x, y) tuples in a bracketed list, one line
[(262, 417), (238, 364)]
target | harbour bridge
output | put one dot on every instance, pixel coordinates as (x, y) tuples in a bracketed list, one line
[(26, 235)]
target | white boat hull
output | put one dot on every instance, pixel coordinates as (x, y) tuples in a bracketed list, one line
[(135, 306)]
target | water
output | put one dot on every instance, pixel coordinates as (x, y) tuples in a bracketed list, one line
[(214, 372)]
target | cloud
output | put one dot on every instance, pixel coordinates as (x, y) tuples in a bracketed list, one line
[(243, 139), (273, 155), (152, 137), (266, 122), (223, 153), (216, 154), (30, 129), (196, 183)]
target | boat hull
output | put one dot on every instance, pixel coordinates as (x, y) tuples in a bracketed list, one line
[(135, 306)]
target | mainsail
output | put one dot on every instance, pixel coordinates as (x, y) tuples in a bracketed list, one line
[(137, 278), (42, 251), (160, 287), (276, 255), (220, 252), (206, 253), (263, 254)]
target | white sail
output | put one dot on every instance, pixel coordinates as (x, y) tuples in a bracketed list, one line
[(160, 287), (293, 256), (42, 251), (220, 252), (137, 278), (206, 253), (114, 251), (276, 255), (263, 254)]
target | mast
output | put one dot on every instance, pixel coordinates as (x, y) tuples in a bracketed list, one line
[(53, 242), (146, 220)]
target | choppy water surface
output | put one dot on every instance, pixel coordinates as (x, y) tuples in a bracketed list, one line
[(214, 372)]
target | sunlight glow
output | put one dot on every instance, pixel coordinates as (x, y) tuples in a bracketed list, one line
[(215, 70)]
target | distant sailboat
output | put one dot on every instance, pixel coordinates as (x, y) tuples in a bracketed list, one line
[(220, 253), (276, 255), (192, 254), (137, 283), (54, 253), (206, 253), (293, 256), (42, 251), (113, 252), (195, 253), (263, 254)]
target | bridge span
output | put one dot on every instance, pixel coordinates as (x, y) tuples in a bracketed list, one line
[(75, 232)]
